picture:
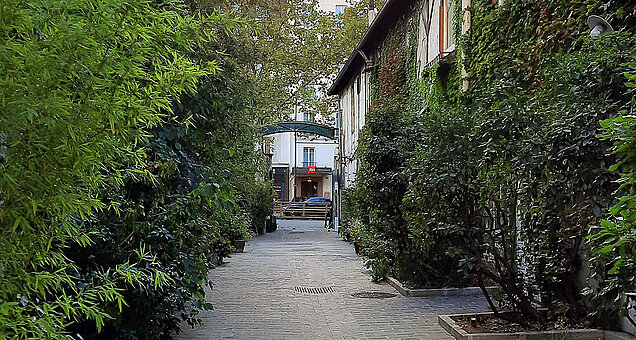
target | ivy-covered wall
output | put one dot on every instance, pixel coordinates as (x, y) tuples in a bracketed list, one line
[(507, 182)]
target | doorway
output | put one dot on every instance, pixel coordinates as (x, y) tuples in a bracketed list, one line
[(308, 189)]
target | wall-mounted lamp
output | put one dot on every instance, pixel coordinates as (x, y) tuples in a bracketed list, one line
[(599, 26)]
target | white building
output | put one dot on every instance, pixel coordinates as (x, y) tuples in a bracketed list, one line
[(335, 6), (303, 164), (305, 172)]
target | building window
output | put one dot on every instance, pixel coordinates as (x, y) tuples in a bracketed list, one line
[(447, 19), (307, 117), (340, 9), (309, 157)]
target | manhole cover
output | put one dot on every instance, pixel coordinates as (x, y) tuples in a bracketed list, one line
[(373, 295), (313, 290), (304, 249)]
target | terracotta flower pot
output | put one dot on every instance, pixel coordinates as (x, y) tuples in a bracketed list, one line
[(358, 246), (239, 245)]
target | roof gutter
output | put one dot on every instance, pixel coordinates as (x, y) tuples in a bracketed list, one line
[(391, 9)]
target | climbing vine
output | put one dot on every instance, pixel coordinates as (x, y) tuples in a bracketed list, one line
[(503, 182)]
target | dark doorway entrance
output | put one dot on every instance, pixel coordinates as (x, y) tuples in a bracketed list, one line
[(308, 189), (280, 183)]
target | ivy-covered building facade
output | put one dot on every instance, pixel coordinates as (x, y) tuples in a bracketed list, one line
[(478, 145), (433, 23)]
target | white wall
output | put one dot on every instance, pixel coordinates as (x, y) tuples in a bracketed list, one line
[(324, 152), (283, 143), (428, 42), (354, 104), (357, 101), (327, 190), (281, 149), (428, 48), (352, 99), (330, 5)]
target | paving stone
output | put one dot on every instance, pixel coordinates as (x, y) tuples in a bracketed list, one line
[(254, 296)]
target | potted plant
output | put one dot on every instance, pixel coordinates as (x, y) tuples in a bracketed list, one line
[(357, 235), (345, 232), (238, 234), (358, 247)]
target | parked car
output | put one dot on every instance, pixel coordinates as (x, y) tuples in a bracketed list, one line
[(315, 200)]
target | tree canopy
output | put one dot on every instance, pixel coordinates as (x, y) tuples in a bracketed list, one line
[(296, 52)]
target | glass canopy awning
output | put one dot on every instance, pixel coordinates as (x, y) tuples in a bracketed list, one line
[(306, 127)]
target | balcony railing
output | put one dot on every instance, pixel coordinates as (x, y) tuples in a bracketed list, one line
[(308, 164)]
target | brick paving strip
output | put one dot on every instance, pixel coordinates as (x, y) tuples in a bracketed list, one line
[(299, 282)]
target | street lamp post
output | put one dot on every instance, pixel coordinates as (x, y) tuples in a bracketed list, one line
[(295, 165)]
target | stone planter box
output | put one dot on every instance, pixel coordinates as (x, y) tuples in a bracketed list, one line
[(574, 334), (438, 291), (239, 245), (629, 299)]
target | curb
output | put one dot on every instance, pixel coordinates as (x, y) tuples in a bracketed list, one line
[(459, 333), (438, 291), (613, 335)]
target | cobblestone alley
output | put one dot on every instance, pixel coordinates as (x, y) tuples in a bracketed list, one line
[(259, 294)]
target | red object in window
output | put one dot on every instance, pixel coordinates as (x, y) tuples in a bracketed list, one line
[(311, 170)]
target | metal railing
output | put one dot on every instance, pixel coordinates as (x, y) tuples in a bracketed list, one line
[(302, 210)]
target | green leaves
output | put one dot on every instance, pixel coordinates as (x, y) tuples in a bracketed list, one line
[(503, 182), (296, 49), (615, 242), (80, 84), (198, 185)]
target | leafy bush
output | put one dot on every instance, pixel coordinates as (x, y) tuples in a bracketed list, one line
[(198, 189), (615, 240), (259, 204), (82, 82), (115, 198)]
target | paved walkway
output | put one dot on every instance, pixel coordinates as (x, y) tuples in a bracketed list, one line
[(255, 294)]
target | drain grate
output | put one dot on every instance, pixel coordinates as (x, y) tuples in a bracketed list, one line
[(373, 295), (313, 290)]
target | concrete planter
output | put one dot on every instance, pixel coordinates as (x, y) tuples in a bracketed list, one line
[(629, 299), (438, 291), (239, 245), (575, 334)]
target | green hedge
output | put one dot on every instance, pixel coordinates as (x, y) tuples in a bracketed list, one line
[(504, 182), (127, 165)]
